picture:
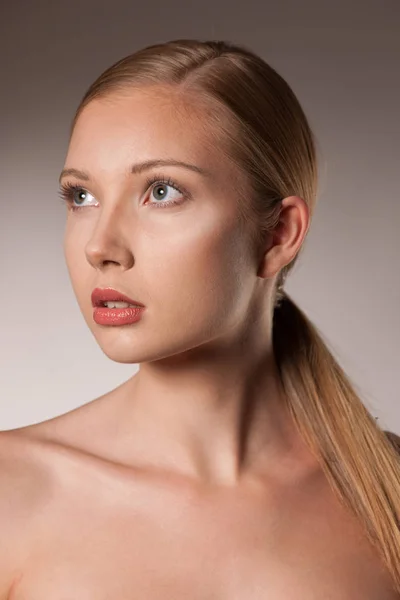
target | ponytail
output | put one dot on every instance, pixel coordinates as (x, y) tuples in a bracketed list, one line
[(360, 460)]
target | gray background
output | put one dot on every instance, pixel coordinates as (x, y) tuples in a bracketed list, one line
[(341, 59)]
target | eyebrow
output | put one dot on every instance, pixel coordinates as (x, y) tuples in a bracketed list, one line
[(142, 166)]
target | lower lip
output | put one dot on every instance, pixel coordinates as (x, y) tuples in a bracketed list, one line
[(117, 316)]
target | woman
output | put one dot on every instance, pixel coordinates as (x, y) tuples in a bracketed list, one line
[(238, 462)]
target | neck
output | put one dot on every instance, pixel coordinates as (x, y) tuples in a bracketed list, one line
[(217, 418)]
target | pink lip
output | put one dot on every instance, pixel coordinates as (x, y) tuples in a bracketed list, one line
[(99, 296)]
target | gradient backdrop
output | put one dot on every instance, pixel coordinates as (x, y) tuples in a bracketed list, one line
[(342, 59)]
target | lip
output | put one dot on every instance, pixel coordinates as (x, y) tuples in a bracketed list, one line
[(101, 295)]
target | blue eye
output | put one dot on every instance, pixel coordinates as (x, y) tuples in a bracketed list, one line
[(163, 183), (67, 193)]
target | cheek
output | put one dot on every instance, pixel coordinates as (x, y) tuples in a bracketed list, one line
[(77, 265), (200, 270)]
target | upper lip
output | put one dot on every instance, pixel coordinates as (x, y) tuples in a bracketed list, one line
[(102, 295)]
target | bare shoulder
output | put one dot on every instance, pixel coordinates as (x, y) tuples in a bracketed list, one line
[(24, 486)]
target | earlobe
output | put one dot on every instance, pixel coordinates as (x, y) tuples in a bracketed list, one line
[(271, 261)]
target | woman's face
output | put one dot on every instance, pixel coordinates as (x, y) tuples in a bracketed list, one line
[(189, 263)]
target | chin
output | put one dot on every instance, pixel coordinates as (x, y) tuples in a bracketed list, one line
[(125, 351), (123, 357)]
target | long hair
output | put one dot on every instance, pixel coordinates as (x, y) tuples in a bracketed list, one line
[(258, 122)]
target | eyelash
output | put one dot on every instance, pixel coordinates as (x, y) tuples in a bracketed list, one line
[(68, 189)]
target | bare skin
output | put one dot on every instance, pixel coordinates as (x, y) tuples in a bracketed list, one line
[(190, 479)]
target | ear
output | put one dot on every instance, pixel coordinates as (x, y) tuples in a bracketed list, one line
[(394, 439), (285, 241)]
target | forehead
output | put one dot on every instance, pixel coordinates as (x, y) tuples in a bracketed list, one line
[(142, 124)]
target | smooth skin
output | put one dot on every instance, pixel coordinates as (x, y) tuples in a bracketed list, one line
[(189, 480)]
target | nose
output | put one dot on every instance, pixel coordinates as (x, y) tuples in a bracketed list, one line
[(110, 242)]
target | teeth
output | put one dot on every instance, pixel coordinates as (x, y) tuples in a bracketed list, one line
[(117, 304)]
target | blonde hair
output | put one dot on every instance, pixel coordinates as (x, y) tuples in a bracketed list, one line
[(258, 122)]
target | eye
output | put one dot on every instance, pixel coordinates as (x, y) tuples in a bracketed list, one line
[(74, 195), (80, 196), (159, 185)]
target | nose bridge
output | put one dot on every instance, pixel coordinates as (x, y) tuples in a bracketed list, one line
[(110, 240)]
